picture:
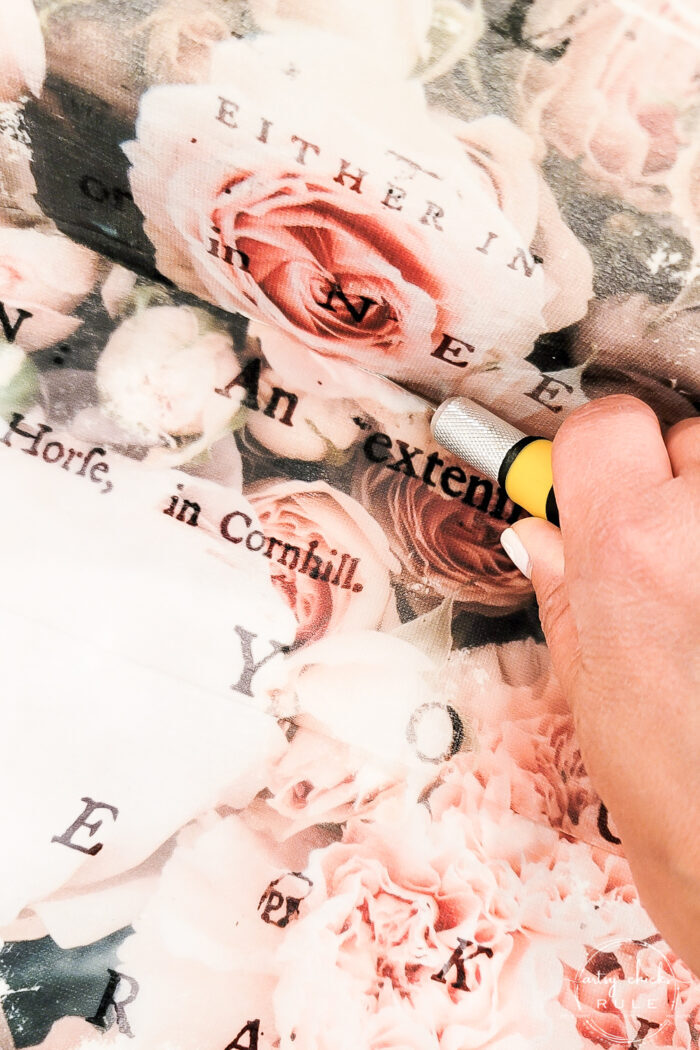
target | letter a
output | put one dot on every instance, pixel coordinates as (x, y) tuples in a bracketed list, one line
[(251, 1029), (248, 378)]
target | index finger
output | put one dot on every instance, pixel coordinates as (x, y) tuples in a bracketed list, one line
[(605, 455)]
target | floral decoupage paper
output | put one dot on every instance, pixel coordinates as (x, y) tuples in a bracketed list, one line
[(283, 760)]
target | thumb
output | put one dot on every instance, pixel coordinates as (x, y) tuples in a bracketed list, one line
[(536, 548)]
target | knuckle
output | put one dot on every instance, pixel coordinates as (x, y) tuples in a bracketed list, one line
[(632, 546), (590, 415)]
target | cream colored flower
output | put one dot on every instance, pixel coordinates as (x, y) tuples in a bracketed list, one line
[(159, 372), (22, 55), (45, 275)]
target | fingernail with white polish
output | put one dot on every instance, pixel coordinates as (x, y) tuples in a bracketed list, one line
[(516, 551)]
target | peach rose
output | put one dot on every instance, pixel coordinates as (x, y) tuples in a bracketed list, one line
[(22, 56), (46, 275), (338, 569), (158, 374), (620, 95), (629, 344), (446, 546), (415, 268)]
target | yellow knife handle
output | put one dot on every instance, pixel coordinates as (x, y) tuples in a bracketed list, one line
[(526, 475)]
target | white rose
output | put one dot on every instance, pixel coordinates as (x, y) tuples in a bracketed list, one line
[(371, 721), (204, 950), (320, 428), (11, 360), (135, 643), (45, 275), (22, 55), (159, 372), (396, 30)]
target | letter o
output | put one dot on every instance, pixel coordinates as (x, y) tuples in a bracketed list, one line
[(86, 187), (455, 725), (53, 459), (225, 522), (249, 537)]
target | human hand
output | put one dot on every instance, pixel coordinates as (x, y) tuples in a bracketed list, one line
[(620, 608)]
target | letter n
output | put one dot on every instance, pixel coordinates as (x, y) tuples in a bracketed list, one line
[(357, 313)]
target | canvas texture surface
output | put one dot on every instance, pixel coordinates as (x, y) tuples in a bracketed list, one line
[(283, 762)]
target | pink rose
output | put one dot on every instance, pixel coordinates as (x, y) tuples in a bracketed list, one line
[(45, 275), (620, 95), (629, 344), (519, 715), (330, 560), (250, 200), (22, 56), (446, 546)]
